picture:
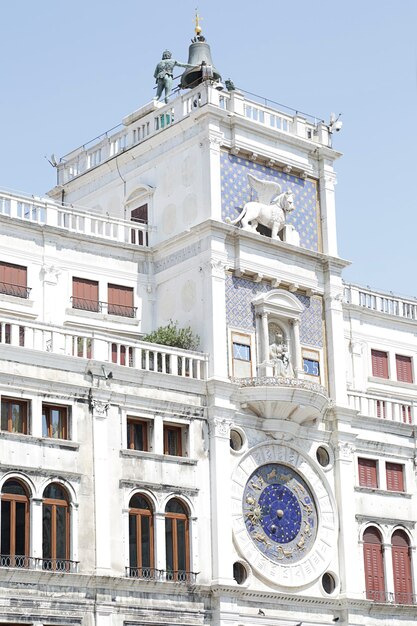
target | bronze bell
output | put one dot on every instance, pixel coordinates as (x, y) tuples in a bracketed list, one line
[(199, 56)]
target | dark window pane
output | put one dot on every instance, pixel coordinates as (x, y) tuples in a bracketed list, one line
[(15, 487), (133, 550), (169, 544), (61, 532), (47, 531), (44, 425), (241, 351), (181, 545), (5, 527), (20, 528), (146, 541), (175, 506), (4, 413), (55, 492), (139, 502)]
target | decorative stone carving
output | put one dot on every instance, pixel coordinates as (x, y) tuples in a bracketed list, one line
[(278, 353), (220, 427), (271, 209), (345, 450), (98, 407), (216, 267), (50, 274)]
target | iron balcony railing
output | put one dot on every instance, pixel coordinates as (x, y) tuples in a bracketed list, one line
[(14, 290), (150, 573), (97, 306), (29, 562)]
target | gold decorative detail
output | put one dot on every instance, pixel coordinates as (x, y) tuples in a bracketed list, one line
[(198, 28)]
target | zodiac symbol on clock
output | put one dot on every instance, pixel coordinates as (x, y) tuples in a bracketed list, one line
[(254, 516), (272, 474), (250, 500), (259, 537), (300, 544), (281, 553), (307, 507), (258, 485), (307, 529)]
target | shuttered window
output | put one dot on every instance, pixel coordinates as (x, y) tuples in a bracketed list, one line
[(140, 214), (379, 363), (404, 368), (85, 294), (395, 477), (401, 568), (13, 280), (120, 301), (374, 565), (367, 469)]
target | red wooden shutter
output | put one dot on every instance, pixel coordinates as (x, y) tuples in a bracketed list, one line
[(374, 565), (401, 566), (85, 294), (120, 300), (11, 278), (404, 369), (140, 214), (379, 363), (367, 473), (395, 477)]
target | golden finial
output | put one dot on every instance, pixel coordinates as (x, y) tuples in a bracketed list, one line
[(198, 28)]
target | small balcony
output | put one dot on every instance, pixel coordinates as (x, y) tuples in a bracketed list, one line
[(388, 597), (59, 566), (150, 573), (9, 289), (97, 306), (280, 398)]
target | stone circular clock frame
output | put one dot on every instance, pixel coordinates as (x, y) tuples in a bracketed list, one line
[(284, 515)]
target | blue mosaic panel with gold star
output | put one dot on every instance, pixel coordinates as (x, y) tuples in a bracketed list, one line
[(280, 513), (240, 312), (236, 191)]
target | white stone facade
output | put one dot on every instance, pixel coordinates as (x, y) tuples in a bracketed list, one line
[(194, 434)]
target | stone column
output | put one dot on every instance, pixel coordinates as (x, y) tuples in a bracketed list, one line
[(159, 532), (101, 473), (35, 538), (158, 435), (335, 340), (327, 182), (297, 363), (388, 570), (221, 514), (215, 326), (265, 337)]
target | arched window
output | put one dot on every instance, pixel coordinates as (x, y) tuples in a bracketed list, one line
[(56, 528), (374, 565), (401, 567), (141, 539), (14, 548), (177, 542)]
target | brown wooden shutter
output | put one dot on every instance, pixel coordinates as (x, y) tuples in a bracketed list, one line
[(140, 214), (367, 473), (13, 277), (120, 300), (374, 565), (85, 294), (401, 566), (404, 368), (395, 477), (379, 363)]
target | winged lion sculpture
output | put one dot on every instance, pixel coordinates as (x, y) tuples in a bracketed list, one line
[(270, 210)]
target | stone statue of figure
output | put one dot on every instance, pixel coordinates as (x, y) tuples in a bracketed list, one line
[(278, 353), (164, 73)]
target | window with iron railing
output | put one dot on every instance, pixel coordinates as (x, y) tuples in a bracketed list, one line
[(13, 280)]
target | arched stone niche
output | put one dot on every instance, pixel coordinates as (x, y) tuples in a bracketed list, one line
[(277, 315), (139, 197)]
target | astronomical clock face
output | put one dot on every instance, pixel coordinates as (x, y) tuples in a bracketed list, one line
[(284, 519), (279, 513)]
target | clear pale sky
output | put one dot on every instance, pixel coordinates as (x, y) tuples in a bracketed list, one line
[(72, 70)]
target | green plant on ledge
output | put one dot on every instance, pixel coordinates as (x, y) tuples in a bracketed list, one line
[(171, 335)]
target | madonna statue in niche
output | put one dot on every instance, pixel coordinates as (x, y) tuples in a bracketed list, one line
[(278, 353)]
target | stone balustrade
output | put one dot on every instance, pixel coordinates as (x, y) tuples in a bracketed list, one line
[(383, 407), (381, 302), (45, 211), (135, 354), (154, 118)]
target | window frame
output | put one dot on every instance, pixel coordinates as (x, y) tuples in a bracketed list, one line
[(374, 567), (77, 299), (404, 368), (179, 431), (240, 337), (380, 363), (138, 514), (176, 573), (46, 410), (53, 560), (25, 420), (16, 560), (365, 465), (19, 288), (131, 421), (116, 308), (395, 475)]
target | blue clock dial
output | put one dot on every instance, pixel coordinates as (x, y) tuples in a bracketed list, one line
[(280, 513)]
